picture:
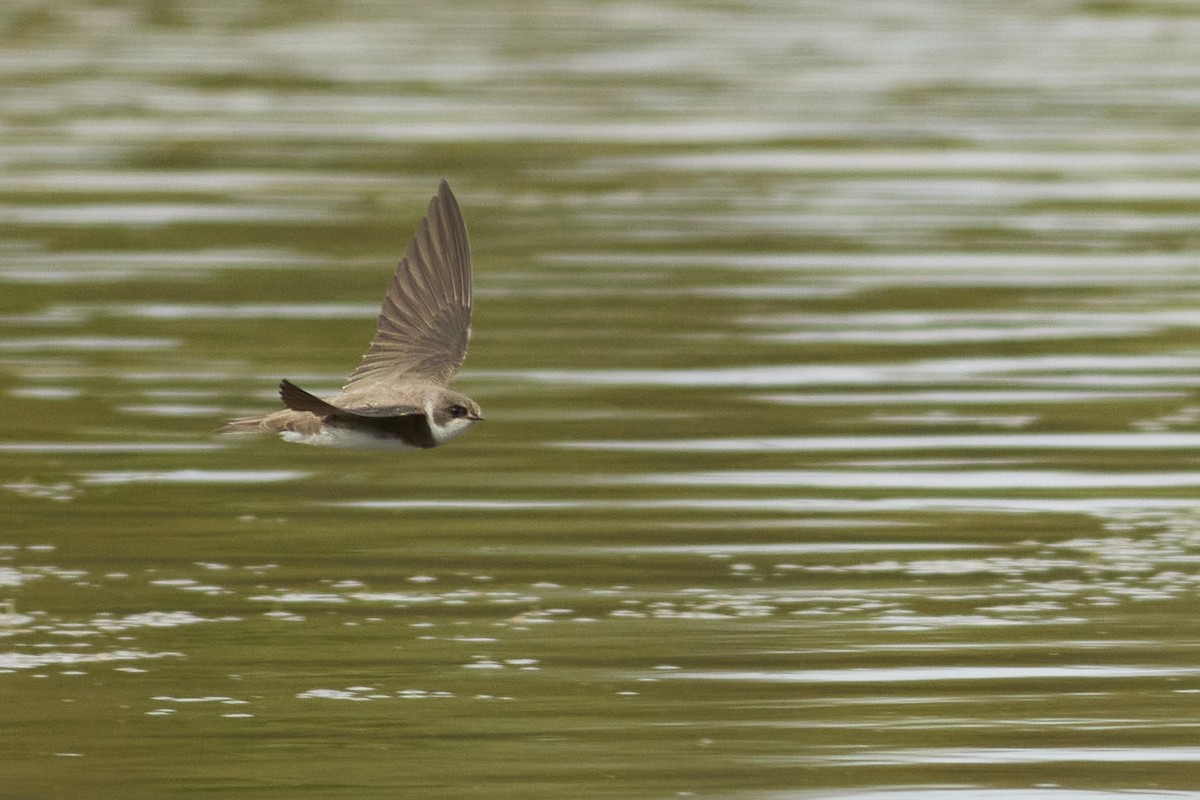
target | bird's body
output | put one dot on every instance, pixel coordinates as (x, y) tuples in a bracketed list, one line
[(399, 397)]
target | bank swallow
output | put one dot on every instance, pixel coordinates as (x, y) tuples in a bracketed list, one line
[(399, 397)]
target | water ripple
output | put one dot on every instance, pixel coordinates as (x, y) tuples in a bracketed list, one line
[(1033, 755), (936, 674), (109, 478), (939, 479), (827, 444), (110, 447)]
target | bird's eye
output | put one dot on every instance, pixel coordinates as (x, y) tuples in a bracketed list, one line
[(457, 411)]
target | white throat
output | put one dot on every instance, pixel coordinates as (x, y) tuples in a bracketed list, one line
[(451, 430)]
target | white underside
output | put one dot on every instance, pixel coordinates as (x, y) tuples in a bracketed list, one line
[(351, 439), (348, 439)]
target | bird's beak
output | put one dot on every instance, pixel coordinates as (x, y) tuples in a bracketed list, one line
[(475, 417)]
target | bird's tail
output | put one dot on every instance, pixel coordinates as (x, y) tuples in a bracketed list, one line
[(243, 425)]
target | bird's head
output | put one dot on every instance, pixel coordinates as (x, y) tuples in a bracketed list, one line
[(451, 414)]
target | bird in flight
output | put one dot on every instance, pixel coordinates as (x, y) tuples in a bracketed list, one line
[(399, 397)]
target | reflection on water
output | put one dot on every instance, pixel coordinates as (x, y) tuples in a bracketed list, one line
[(840, 363), (939, 479), (105, 447), (1070, 371), (37, 268), (868, 271), (191, 476), (1039, 755), (1037, 443), (10, 662), (938, 793), (938, 675)]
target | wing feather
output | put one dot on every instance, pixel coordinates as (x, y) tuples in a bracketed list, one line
[(425, 321)]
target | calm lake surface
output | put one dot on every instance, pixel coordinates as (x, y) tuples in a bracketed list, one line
[(840, 363)]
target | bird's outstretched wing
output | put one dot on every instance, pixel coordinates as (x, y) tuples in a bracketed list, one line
[(425, 321)]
